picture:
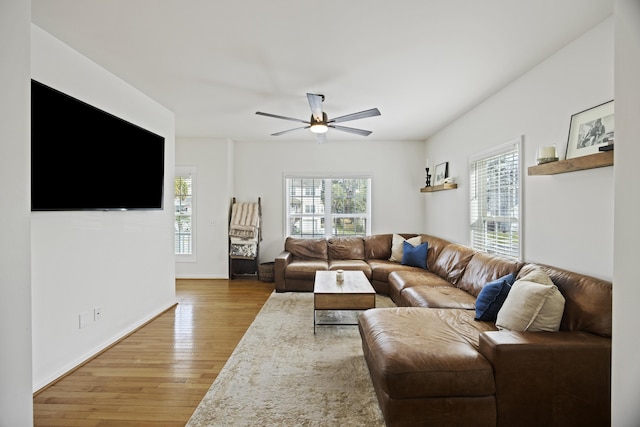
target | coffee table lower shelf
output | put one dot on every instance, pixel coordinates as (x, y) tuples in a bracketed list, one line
[(316, 323), (354, 294)]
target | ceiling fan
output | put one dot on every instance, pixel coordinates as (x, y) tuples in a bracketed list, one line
[(319, 123)]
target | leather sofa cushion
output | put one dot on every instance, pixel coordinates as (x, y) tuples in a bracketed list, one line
[(306, 249), (346, 248), (305, 269), (377, 246), (484, 268), (400, 280), (452, 261), (588, 300), (440, 297), (351, 264), (380, 268), (436, 245), (418, 353)]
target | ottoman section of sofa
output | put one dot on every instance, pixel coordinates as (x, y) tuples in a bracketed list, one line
[(421, 359)]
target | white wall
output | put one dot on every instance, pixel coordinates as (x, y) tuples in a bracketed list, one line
[(16, 401), (568, 217), (256, 169), (212, 198), (121, 262), (626, 292), (397, 169)]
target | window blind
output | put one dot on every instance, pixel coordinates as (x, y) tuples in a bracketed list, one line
[(183, 204), (495, 192), (323, 206)]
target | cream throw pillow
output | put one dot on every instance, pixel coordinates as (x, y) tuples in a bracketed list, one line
[(538, 276), (397, 246), (532, 306)]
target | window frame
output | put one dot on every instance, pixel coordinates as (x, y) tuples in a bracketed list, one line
[(474, 198), (188, 171), (326, 216)]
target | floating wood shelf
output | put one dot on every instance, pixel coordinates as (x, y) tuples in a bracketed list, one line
[(440, 187), (591, 161)]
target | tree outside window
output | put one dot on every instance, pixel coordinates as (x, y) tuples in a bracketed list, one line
[(183, 205), (342, 202)]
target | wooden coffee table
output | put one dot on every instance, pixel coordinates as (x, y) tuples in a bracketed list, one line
[(355, 293)]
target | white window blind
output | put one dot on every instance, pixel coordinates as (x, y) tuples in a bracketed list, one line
[(183, 204), (318, 207), (495, 195)]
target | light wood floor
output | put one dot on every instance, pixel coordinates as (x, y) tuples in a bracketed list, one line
[(158, 375)]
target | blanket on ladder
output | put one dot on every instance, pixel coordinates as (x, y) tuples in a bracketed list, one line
[(245, 220), (244, 230)]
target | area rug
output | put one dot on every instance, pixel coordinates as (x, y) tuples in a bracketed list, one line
[(282, 374)]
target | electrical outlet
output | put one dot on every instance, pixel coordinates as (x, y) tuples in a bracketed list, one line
[(83, 319), (97, 314)]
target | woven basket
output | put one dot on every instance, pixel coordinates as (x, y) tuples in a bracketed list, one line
[(266, 272)]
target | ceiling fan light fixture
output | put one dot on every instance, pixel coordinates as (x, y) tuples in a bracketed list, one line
[(318, 126), (319, 123)]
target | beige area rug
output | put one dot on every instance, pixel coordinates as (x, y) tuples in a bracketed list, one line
[(281, 374)]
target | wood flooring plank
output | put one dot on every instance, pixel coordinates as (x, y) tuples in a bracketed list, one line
[(159, 374)]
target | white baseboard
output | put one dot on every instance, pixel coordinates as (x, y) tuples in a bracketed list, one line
[(81, 360), (202, 276)]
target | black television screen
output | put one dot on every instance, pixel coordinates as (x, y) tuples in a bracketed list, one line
[(83, 158)]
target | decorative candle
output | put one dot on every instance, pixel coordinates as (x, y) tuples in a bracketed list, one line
[(547, 152), (340, 276)]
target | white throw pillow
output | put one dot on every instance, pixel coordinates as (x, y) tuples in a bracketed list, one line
[(397, 246), (539, 276), (531, 306)]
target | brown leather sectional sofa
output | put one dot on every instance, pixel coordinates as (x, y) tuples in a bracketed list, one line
[(433, 364)]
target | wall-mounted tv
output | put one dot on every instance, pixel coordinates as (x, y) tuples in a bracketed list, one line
[(83, 158)]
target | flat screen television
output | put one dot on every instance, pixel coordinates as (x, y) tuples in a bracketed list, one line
[(83, 158)]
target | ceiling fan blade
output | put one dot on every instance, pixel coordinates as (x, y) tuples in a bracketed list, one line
[(351, 130), (361, 132), (275, 116), (315, 102), (321, 138), (289, 130), (355, 116)]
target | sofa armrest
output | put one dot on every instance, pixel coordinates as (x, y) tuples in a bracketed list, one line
[(550, 378), (281, 262)]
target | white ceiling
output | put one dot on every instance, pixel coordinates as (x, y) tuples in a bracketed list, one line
[(215, 63)]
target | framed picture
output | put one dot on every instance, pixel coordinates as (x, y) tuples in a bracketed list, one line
[(442, 172), (590, 129)]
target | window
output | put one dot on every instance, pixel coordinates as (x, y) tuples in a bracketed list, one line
[(319, 207), (495, 195), (184, 211)]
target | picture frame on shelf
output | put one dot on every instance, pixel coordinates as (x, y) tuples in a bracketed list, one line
[(441, 173), (590, 129)]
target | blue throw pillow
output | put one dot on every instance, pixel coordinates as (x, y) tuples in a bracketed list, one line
[(492, 296), (415, 256)]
